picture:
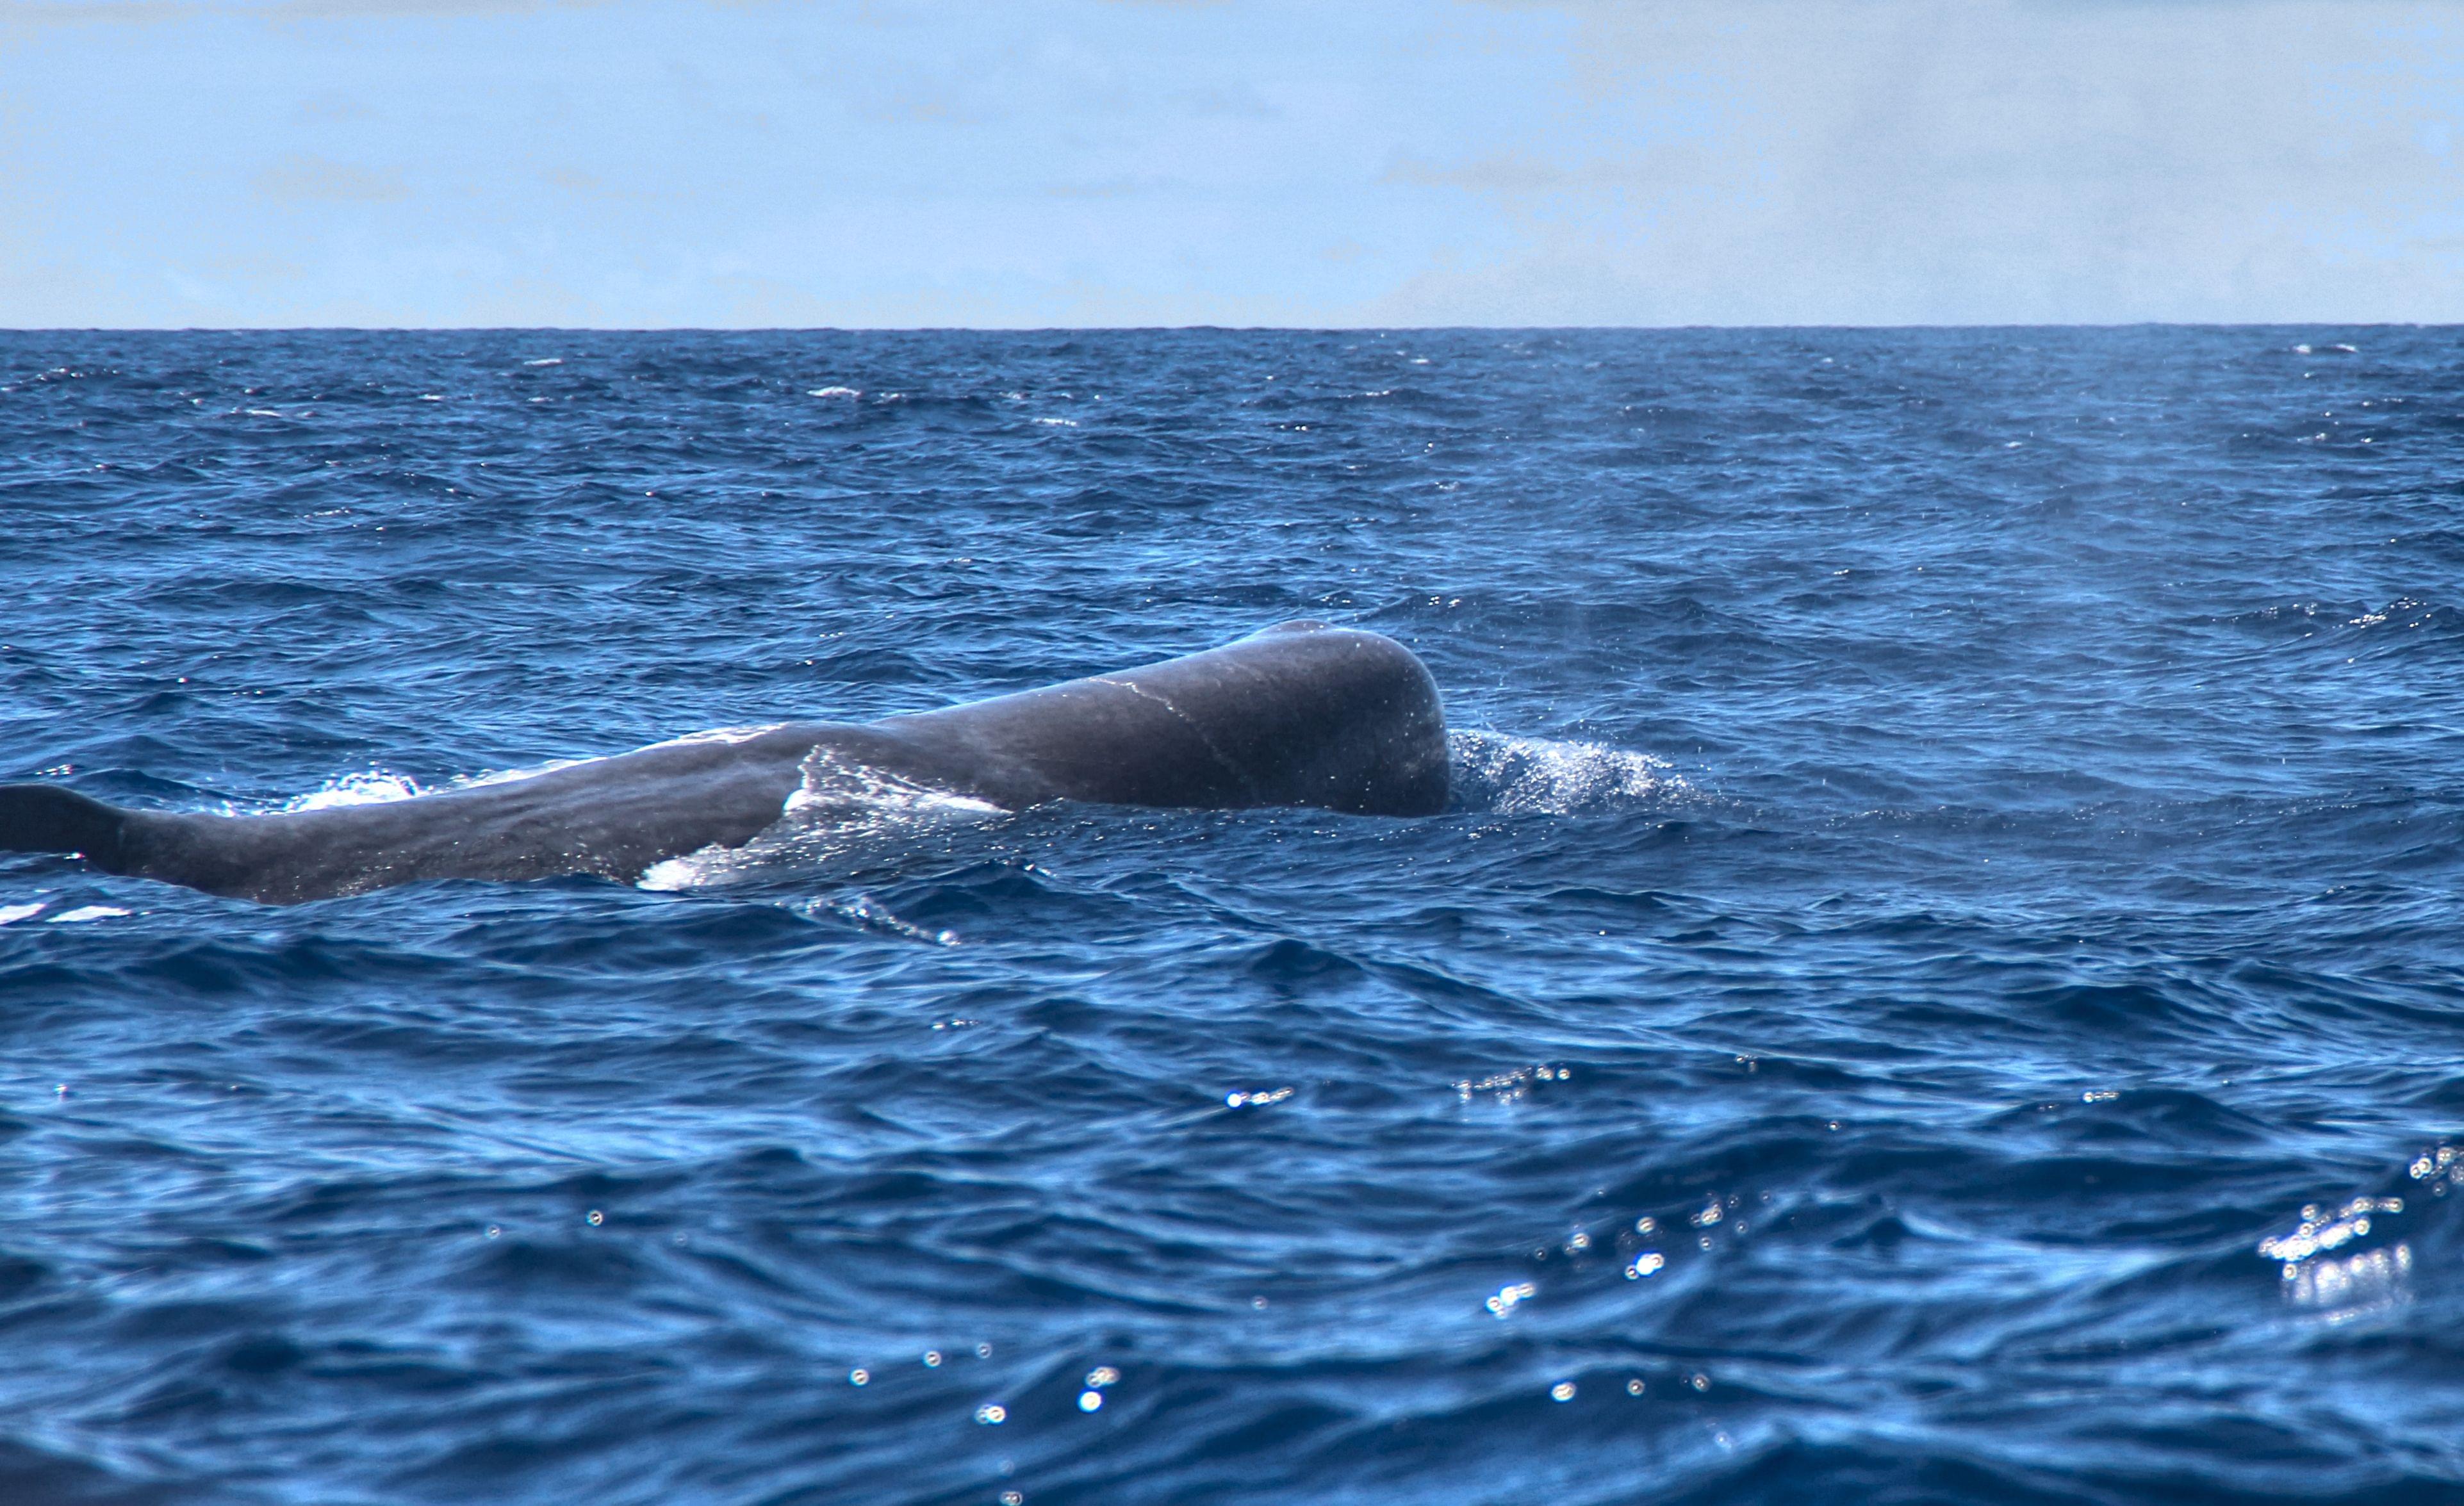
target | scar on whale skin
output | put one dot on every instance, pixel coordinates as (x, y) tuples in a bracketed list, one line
[(1299, 714)]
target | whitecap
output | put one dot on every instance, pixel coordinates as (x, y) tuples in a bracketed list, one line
[(84, 913), (10, 914), (833, 392), (1537, 776), (546, 360)]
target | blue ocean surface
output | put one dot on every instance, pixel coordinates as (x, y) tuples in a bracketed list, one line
[(1943, 982)]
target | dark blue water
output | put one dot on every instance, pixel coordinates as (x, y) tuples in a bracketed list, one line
[(1944, 982)]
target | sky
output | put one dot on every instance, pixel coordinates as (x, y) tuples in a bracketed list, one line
[(1330, 162)]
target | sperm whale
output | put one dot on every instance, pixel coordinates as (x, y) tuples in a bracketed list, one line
[(1302, 715)]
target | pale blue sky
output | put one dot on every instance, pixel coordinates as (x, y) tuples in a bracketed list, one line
[(649, 162)]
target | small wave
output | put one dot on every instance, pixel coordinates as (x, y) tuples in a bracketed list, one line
[(1536, 776), (843, 809), (833, 392), (870, 913)]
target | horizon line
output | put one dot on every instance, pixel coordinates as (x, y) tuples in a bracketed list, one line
[(1195, 328)]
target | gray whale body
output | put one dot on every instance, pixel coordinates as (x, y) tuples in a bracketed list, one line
[(1300, 714)]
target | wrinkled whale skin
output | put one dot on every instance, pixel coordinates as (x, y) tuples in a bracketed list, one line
[(1301, 714)]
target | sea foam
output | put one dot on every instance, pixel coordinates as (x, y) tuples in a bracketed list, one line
[(1513, 775), (843, 809)]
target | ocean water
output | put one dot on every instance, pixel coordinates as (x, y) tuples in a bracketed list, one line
[(1942, 981)]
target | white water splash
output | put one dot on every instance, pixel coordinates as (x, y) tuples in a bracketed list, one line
[(721, 735), (367, 787), (1536, 776), (843, 809), (378, 787), (473, 781)]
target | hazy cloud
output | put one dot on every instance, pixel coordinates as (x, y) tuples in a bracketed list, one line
[(662, 162), (1913, 160)]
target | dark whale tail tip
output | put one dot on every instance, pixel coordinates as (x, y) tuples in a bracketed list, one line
[(46, 817)]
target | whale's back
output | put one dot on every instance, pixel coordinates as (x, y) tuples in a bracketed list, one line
[(1301, 714)]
